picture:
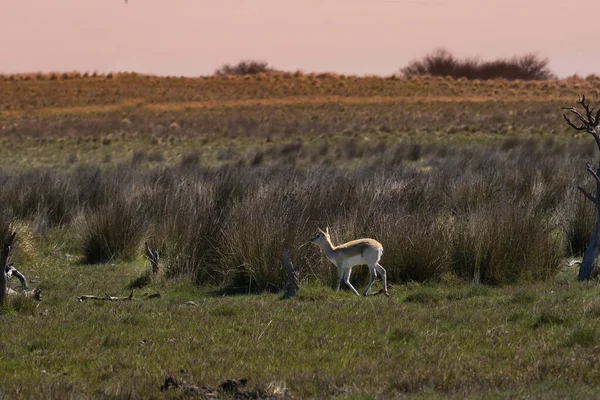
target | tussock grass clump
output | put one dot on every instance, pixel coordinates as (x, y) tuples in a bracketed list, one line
[(504, 246), (579, 223), (113, 230), (256, 231), (42, 195)]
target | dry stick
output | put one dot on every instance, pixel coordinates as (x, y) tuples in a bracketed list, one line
[(113, 298)]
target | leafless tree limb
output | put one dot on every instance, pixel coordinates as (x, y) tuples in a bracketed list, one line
[(589, 122), (586, 194), (590, 169)]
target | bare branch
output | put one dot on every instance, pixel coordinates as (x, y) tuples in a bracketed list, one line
[(572, 125), (580, 116), (589, 121), (587, 195), (590, 169), (588, 111)]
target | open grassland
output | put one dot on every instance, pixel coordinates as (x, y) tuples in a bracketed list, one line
[(426, 341), (470, 186)]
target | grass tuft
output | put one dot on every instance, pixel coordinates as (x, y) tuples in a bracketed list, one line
[(582, 336)]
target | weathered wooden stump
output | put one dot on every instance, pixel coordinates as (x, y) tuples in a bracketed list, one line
[(3, 262), (293, 276), (152, 255)]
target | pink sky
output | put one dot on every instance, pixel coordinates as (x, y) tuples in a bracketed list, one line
[(193, 37)]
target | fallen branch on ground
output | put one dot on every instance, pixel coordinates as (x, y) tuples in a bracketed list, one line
[(146, 296)]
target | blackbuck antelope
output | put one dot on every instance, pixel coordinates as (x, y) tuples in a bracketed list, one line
[(357, 252)]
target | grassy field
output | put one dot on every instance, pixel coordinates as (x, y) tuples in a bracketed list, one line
[(462, 181), (427, 340)]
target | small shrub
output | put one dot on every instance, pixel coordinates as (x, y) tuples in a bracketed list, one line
[(247, 67)]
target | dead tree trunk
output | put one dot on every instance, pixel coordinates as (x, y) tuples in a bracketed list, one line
[(3, 260), (293, 275), (589, 124)]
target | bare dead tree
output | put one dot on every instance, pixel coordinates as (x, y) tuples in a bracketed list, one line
[(3, 260), (588, 122)]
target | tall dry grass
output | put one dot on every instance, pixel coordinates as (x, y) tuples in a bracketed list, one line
[(496, 214)]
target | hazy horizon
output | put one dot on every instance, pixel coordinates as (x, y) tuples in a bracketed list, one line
[(360, 37)]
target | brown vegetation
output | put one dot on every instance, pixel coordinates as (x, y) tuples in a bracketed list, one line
[(126, 91)]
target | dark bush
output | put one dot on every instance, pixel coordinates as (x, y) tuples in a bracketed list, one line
[(246, 67), (443, 63)]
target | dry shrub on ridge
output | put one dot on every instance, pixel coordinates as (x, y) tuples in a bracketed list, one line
[(442, 63), (246, 67)]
